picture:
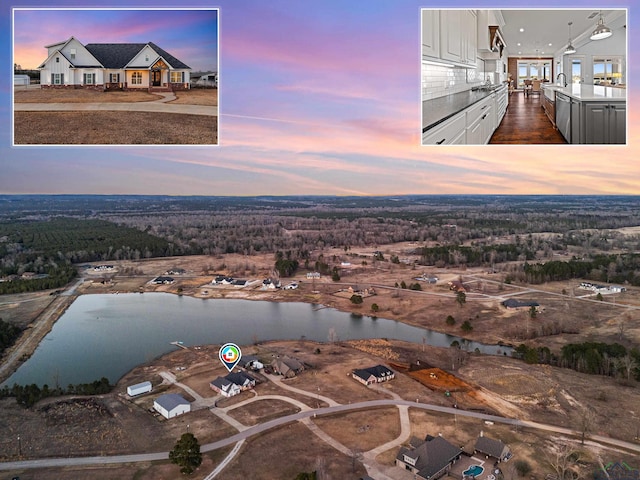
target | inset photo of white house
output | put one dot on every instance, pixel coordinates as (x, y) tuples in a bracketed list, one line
[(115, 76)]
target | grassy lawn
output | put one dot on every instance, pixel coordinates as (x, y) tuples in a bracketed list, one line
[(114, 128)]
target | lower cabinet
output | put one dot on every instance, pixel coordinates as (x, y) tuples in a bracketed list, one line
[(450, 132), (480, 122), (604, 123), (473, 126)]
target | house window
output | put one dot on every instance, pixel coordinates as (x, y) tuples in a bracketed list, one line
[(146, 58), (89, 78), (56, 78), (136, 78), (73, 53), (57, 59), (176, 77), (114, 78)]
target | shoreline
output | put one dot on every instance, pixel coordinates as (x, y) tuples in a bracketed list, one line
[(36, 332)]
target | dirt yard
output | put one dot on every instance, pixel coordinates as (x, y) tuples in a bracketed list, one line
[(197, 96), (80, 95), (114, 128)]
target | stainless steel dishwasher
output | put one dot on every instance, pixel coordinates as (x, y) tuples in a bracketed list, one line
[(563, 115)]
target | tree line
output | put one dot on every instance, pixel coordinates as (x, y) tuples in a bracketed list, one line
[(9, 333), (624, 268), (595, 358), (29, 395)]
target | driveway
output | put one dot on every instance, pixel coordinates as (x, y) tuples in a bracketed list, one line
[(156, 107)]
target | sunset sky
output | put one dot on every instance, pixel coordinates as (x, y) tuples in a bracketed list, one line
[(316, 97)]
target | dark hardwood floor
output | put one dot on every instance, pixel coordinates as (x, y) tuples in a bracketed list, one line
[(526, 123)]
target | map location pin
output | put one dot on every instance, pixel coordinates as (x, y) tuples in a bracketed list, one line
[(230, 355)]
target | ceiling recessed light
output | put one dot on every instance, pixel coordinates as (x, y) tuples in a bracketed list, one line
[(519, 44), (519, 53), (521, 30), (551, 44)]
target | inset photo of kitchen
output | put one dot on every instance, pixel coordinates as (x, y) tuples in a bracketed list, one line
[(524, 77)]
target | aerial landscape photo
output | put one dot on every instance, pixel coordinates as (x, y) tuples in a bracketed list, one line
[(318, 292)]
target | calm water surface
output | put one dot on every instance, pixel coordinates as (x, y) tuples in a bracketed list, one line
[(108, 335)]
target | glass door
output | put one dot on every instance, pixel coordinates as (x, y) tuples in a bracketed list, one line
[(576, 70)]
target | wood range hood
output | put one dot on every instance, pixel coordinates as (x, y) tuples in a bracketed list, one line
[(496, 41)]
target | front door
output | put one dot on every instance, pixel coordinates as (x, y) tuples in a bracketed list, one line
[(156, 78)]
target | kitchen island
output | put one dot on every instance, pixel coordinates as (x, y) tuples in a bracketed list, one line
[(590, 114)]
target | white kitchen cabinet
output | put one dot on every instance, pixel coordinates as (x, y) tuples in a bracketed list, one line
[(470, 37), (450, 36), (480, 122), (431, 33), (449, 132), (452, 45)]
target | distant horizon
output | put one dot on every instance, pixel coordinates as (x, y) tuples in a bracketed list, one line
[(319, 195)]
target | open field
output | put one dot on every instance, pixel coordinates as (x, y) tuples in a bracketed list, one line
[(113, 128)]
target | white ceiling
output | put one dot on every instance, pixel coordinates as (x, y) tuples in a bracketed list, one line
[(542, 27)]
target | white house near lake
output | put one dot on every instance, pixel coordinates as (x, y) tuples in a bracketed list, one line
[(110, 66), (171, 405)]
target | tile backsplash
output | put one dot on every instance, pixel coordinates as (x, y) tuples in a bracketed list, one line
[(438, 81)]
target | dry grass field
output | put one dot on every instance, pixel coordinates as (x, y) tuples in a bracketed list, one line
[(362, 431), (114, 128)]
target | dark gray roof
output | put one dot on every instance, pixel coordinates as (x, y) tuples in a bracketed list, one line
[(379, 371), (489, 446), (431, 456), (239, 378), (170, 401), (117, 55), (513, 303)]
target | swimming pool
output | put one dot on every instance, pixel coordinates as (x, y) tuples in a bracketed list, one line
[(473, 471)]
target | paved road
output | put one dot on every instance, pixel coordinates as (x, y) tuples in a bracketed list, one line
[(254, 430)]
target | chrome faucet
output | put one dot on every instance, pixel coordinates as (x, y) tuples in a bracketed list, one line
[(565, 78)]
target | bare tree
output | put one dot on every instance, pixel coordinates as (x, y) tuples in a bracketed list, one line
[(586, 423), (563, 459), (628, 364)]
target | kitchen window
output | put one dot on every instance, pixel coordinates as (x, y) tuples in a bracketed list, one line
[(607, 70)]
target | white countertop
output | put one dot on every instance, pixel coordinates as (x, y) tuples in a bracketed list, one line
[(590, 93)]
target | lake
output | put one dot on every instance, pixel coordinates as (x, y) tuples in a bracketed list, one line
[(108, 335)]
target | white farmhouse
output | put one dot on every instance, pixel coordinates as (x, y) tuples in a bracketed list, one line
[(171, 405), (139, 389), (107, 66)]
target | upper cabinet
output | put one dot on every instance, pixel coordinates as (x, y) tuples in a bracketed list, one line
[(431, 33), (470, 38), (450, 36)]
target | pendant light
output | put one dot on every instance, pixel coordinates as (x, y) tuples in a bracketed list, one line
[(602, 31), (570, 48)]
